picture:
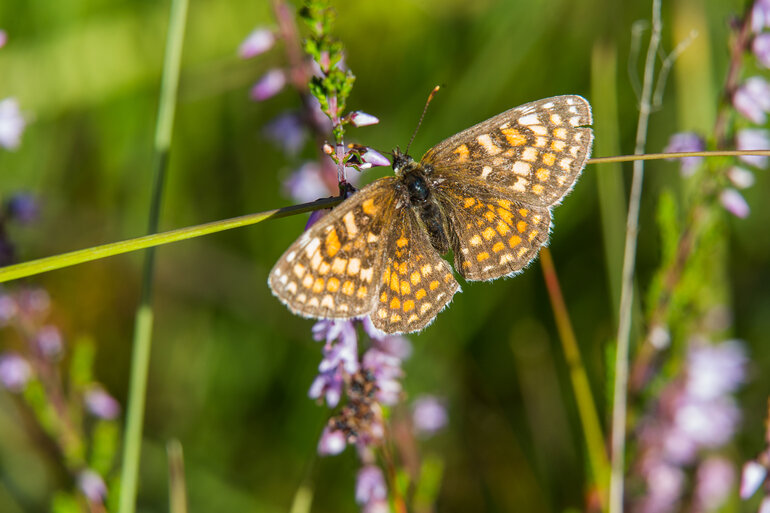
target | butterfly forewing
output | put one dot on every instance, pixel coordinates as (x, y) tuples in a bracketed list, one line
[(415, 284), (332, 270), (493, 235), (535, 151)]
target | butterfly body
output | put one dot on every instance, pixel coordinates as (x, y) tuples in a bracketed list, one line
[(485, 193)]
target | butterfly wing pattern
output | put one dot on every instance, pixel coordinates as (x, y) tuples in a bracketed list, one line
[(493, 187)]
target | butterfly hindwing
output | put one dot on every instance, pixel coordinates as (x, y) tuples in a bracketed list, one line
[(332, 270)]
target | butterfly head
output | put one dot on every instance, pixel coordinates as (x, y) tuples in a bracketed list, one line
[(402, 162)]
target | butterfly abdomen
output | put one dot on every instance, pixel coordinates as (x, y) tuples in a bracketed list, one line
[(429, 213)]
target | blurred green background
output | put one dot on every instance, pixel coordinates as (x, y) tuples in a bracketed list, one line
[(230, 365)]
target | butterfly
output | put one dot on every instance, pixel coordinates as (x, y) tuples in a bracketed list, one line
[(485, 193)]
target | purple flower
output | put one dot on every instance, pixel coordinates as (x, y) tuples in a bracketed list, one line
[(359, 118), (305, 184), (760, 15), (92, 485), (8, 308), (370, 485), (741, 178), (259, 41), (715, 370), (23, 208), (752, 99), (15, 372), (49, 341), (734, 203), (753, 139), (708, 423), (761, 48), (11, 124), (287, 132), (665, 484), (269, 85), (3, 38), (387, 372), (764, 506), (332, 442), (373, 158), (429, 415), (715, 479), (101, 404), (752, 477), (340, 357), (686, 142)]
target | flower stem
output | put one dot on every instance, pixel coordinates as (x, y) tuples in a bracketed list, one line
[(140, 357)]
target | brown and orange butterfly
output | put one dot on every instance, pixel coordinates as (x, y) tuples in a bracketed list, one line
[(485, 193)]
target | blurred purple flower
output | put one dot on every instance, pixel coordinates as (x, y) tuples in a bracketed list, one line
[(665, 484), (764, 506), (741, 178), (49, 341), (753, 139), (359, 118), (686, 142), (305, 184), (15, 372), (101, 404), (23, 208), (287, 132), (752, 477), (340, 356), (714, 482), (11, 124), (259, 41), (761, 48), (752, 99), (734, 203), (8, 308), (429, 415), (387, 372), (3, 38), (715, 370), (269, 85), (332, 442), (92, 485), (760, 15), (370, 485)]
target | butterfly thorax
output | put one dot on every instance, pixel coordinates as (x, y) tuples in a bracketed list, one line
[(416, 182)]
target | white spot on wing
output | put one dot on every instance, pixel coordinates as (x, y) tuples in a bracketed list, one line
[(530, 119)]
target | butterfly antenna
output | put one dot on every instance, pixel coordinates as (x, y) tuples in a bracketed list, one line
[(424, 110)]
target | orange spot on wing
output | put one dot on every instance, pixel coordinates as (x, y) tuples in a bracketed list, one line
[(333, 285), (499, 246), (469, 202), (420, 294), (348, 288), (482, 256), (434, 285), (369, 207), (514, 241), (549, 159), (502, 228), (521, 226), (405, 288), (514, 137), (318, 286), (488, 233), (415, 278), (395, 303), (542, 174), (361, 294), (402, 241), (462, 153), (332, 243), (408, 305)]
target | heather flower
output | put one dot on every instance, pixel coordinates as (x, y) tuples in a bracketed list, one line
[(753, 139), (387, 372), (429, 415), (101, 404), (760, 15), (764, 506), (49, 341), (734, 203), (370, 486), (373, 158), (359, 118), (8, 308), (665, 484), (3, 38), (15, 372), (23, 208), (92, 485), (740, 177), (752, 99), (715, 370), (11, 124), (287, 132), (259, 41), (305, 184), (714, 482), (332, 441), (752, 477), (686, 142), (340, 357), (761, 48), (269, 85)]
